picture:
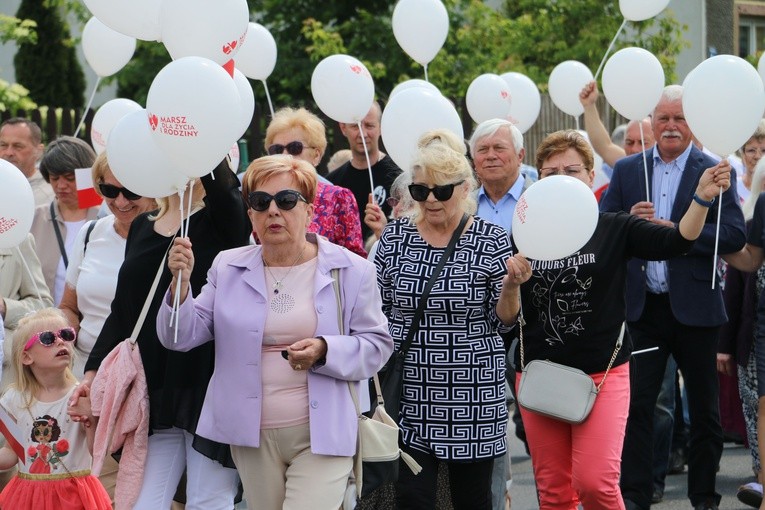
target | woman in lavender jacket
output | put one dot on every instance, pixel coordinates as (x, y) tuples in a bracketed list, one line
[(279, 394)]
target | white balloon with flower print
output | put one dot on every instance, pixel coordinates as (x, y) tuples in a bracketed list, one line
[(633, 81), (17, 205), (135, 18), (194, 113), (640, 10), (566, 81), (202, 28), (488, 97), (106, 50), (723, 101), (343, 88), (525, 103), (420, 28), (136, 160), (409, 115), (554, 218), (106, 118)]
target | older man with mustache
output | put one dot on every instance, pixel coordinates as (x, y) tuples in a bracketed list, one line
[(672, 305)]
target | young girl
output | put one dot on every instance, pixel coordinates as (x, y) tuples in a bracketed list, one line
[(55, 473)]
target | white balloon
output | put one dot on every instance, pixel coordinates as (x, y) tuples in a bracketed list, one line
[(565, 83), (633, 81), (343, 88), (106, 50), (202, 28), (135, 18), (554, 218), (257, 55), (420, 27), (526, 101), (106, 118), (17, 205), (488, 97), (136, 160), (723, 101), (408, 84), (194, 112), (247, 97), (639, 10), (409, 115)]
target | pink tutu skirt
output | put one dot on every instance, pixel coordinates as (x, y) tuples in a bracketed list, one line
[(78, 491)]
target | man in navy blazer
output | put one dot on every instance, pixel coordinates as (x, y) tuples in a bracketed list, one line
[(672, 305)]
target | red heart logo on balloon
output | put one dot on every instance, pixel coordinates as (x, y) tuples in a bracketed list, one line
[(153, 122), (356, 69), (233, 44), (504, 94), (226, 49)]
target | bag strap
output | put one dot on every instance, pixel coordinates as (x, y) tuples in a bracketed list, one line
[(91, 226), (522, 322), (147, 304), (59, 237), (415, 326)]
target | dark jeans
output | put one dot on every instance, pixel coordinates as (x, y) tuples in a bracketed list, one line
[(695, 351), (663, 425), (469, 484)]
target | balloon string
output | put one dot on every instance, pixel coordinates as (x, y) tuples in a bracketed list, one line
[(366, 153), (717, 235), (426, 72), (85, 111), (176, 300), (610, 47), (31, 276), (268, 97), (645, 163)]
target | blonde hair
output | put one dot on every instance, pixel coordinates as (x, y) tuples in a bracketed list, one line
[(24, 379), (758, 176), (338, 159), (98, 171), (443, 165), (443, 136), (300, 118), (198, 194), (268, 167), (561, 141)]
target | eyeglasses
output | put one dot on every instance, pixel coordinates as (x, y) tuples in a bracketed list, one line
[(754, 151), (392, 201), (293, 148), (112, 191), (566, 170), (420, 192), (48, 338), (285, 200)]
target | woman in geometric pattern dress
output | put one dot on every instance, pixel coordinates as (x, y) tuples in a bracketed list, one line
[(453, 402)]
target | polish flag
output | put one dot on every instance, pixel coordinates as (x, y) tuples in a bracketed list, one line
[(10, 429), (86, 193)]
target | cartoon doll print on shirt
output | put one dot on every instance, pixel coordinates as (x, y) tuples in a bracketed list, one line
[(47, 454)]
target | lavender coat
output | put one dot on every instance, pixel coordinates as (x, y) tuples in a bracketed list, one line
[(231, 309)]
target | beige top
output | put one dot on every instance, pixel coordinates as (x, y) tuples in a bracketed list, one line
[(42, 191)]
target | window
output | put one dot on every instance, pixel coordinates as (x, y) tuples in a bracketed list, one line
[(751, 36)]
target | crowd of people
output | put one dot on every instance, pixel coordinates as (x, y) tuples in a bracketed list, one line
[(249, 310)]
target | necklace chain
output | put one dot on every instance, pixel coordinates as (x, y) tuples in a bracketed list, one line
[(278, 283)]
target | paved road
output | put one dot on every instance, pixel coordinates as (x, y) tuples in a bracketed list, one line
[(735, 469)]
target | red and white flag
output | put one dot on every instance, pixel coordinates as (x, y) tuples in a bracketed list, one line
[(10, 430), (86, 192)]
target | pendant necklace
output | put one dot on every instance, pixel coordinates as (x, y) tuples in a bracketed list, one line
[(277, 286)]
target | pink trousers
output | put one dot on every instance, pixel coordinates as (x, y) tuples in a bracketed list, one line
[(581, 463)]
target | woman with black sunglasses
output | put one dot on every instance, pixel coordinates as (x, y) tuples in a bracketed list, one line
[(452, 405), (279, 395)]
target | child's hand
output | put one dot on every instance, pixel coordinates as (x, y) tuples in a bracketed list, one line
[(80, 410)]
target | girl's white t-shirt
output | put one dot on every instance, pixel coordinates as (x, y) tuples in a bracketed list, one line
[(93, 273)]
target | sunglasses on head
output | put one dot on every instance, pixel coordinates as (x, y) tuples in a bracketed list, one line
[(48, 338), (420, 192), (112, 191), (293, 148), (285, 200)]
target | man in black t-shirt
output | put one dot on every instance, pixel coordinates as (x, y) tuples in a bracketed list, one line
[(354, 174)]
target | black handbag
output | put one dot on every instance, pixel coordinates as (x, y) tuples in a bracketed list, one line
[(392, 374)]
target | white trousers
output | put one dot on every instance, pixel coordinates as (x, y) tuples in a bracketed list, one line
[(209, 485)]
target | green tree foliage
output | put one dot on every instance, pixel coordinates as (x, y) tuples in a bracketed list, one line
[(49, 68)]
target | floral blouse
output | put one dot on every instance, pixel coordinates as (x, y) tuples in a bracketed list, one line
[(336, 217)]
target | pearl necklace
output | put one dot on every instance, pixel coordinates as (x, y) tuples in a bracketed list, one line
[(278, 283)]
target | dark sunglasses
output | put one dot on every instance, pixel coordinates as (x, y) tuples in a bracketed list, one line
[(293, 148), (112, 191), (442, 193), (285, 200), (48, 338)]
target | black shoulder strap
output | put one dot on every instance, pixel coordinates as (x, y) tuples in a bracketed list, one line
[(91, 226), (61, 246), (432, 281)]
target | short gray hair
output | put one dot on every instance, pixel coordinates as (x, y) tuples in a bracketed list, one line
[(64, 154), (491, 126)]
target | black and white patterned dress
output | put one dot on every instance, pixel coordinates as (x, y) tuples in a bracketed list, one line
[(453, 402)]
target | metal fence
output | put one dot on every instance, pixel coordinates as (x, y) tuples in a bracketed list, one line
[(56, 122)]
